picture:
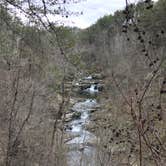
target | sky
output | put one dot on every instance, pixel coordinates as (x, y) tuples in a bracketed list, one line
[(92, 11)]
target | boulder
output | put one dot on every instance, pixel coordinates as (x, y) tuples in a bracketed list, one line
[(76, 115), (69, 117), (93, 110), (98, 76)]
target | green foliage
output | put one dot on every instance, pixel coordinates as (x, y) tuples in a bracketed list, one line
[(105, 22), (10, 30), (66, 37), (58, 75), (91, 34)]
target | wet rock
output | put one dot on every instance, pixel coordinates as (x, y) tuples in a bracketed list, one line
[(69, 117), (100, 87), (83, 87), (76, 115), (98, 76), (93, 110), (88, 78), (71, 110), (72, 116), (68, 120), (68, 127)]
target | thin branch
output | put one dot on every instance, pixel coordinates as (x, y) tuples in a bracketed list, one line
[(120, 90), (25, 120)]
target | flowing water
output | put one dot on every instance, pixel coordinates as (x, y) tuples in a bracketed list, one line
[(82, 151)]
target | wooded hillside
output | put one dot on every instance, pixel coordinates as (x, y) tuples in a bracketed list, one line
[(42, 66)]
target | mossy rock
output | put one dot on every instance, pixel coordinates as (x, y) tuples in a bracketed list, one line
[(76, 115)]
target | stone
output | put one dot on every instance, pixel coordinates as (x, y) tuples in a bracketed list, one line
[(98, 76), (76, 115)]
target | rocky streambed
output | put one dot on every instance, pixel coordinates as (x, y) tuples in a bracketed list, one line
[(81, 145)]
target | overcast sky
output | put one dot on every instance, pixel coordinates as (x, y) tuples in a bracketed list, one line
[(93, 10)]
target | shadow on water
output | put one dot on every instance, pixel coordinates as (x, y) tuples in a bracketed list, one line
[(85, 94)]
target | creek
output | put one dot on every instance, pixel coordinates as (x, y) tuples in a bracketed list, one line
[(81, 146)]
